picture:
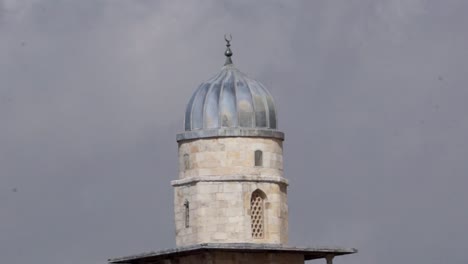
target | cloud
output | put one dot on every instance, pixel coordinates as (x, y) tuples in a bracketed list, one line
[(370, 95)]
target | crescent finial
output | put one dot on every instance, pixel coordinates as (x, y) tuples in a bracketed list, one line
[(228, 40), (228, 52)]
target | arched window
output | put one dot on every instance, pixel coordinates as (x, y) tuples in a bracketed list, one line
[(257, 214), (186, 161), (187, 213), (258, 158)]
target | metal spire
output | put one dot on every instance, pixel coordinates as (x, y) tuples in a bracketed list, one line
[(228, 52)]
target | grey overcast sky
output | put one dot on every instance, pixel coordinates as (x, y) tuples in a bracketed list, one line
[(372, 96)]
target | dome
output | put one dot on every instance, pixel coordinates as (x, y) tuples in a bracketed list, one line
[(230, 104), (230, 99)]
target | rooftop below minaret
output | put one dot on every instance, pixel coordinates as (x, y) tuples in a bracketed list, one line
[(205, 252)]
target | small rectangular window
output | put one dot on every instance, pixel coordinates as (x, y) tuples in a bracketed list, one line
[(258, 158), (187, 213), (186, 162)]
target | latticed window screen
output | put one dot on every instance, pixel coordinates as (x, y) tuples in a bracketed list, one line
[(257, 214)]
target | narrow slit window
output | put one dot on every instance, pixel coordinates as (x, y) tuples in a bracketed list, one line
[(186, 162), (187, 213), (257, 204), (258, 158)]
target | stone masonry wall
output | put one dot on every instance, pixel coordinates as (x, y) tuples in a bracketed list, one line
[(219, 212), (230, 156), (217, 178)]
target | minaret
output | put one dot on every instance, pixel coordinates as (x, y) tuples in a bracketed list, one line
[(230, 199), (231, 187)]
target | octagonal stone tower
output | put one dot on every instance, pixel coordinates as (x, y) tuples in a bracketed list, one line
[(230, 199), (231, 187)]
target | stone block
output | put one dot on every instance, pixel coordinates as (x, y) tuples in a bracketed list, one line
[(219, 236)]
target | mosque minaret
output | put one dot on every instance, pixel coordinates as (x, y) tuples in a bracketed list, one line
[(230, 197)]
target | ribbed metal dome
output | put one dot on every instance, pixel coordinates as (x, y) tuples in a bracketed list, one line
[(230, 105), (230, 100)]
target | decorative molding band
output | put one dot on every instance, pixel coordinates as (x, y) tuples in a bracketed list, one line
[(231, 178), (230, 132)]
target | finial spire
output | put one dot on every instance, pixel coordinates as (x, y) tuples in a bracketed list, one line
[(228, 52)]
